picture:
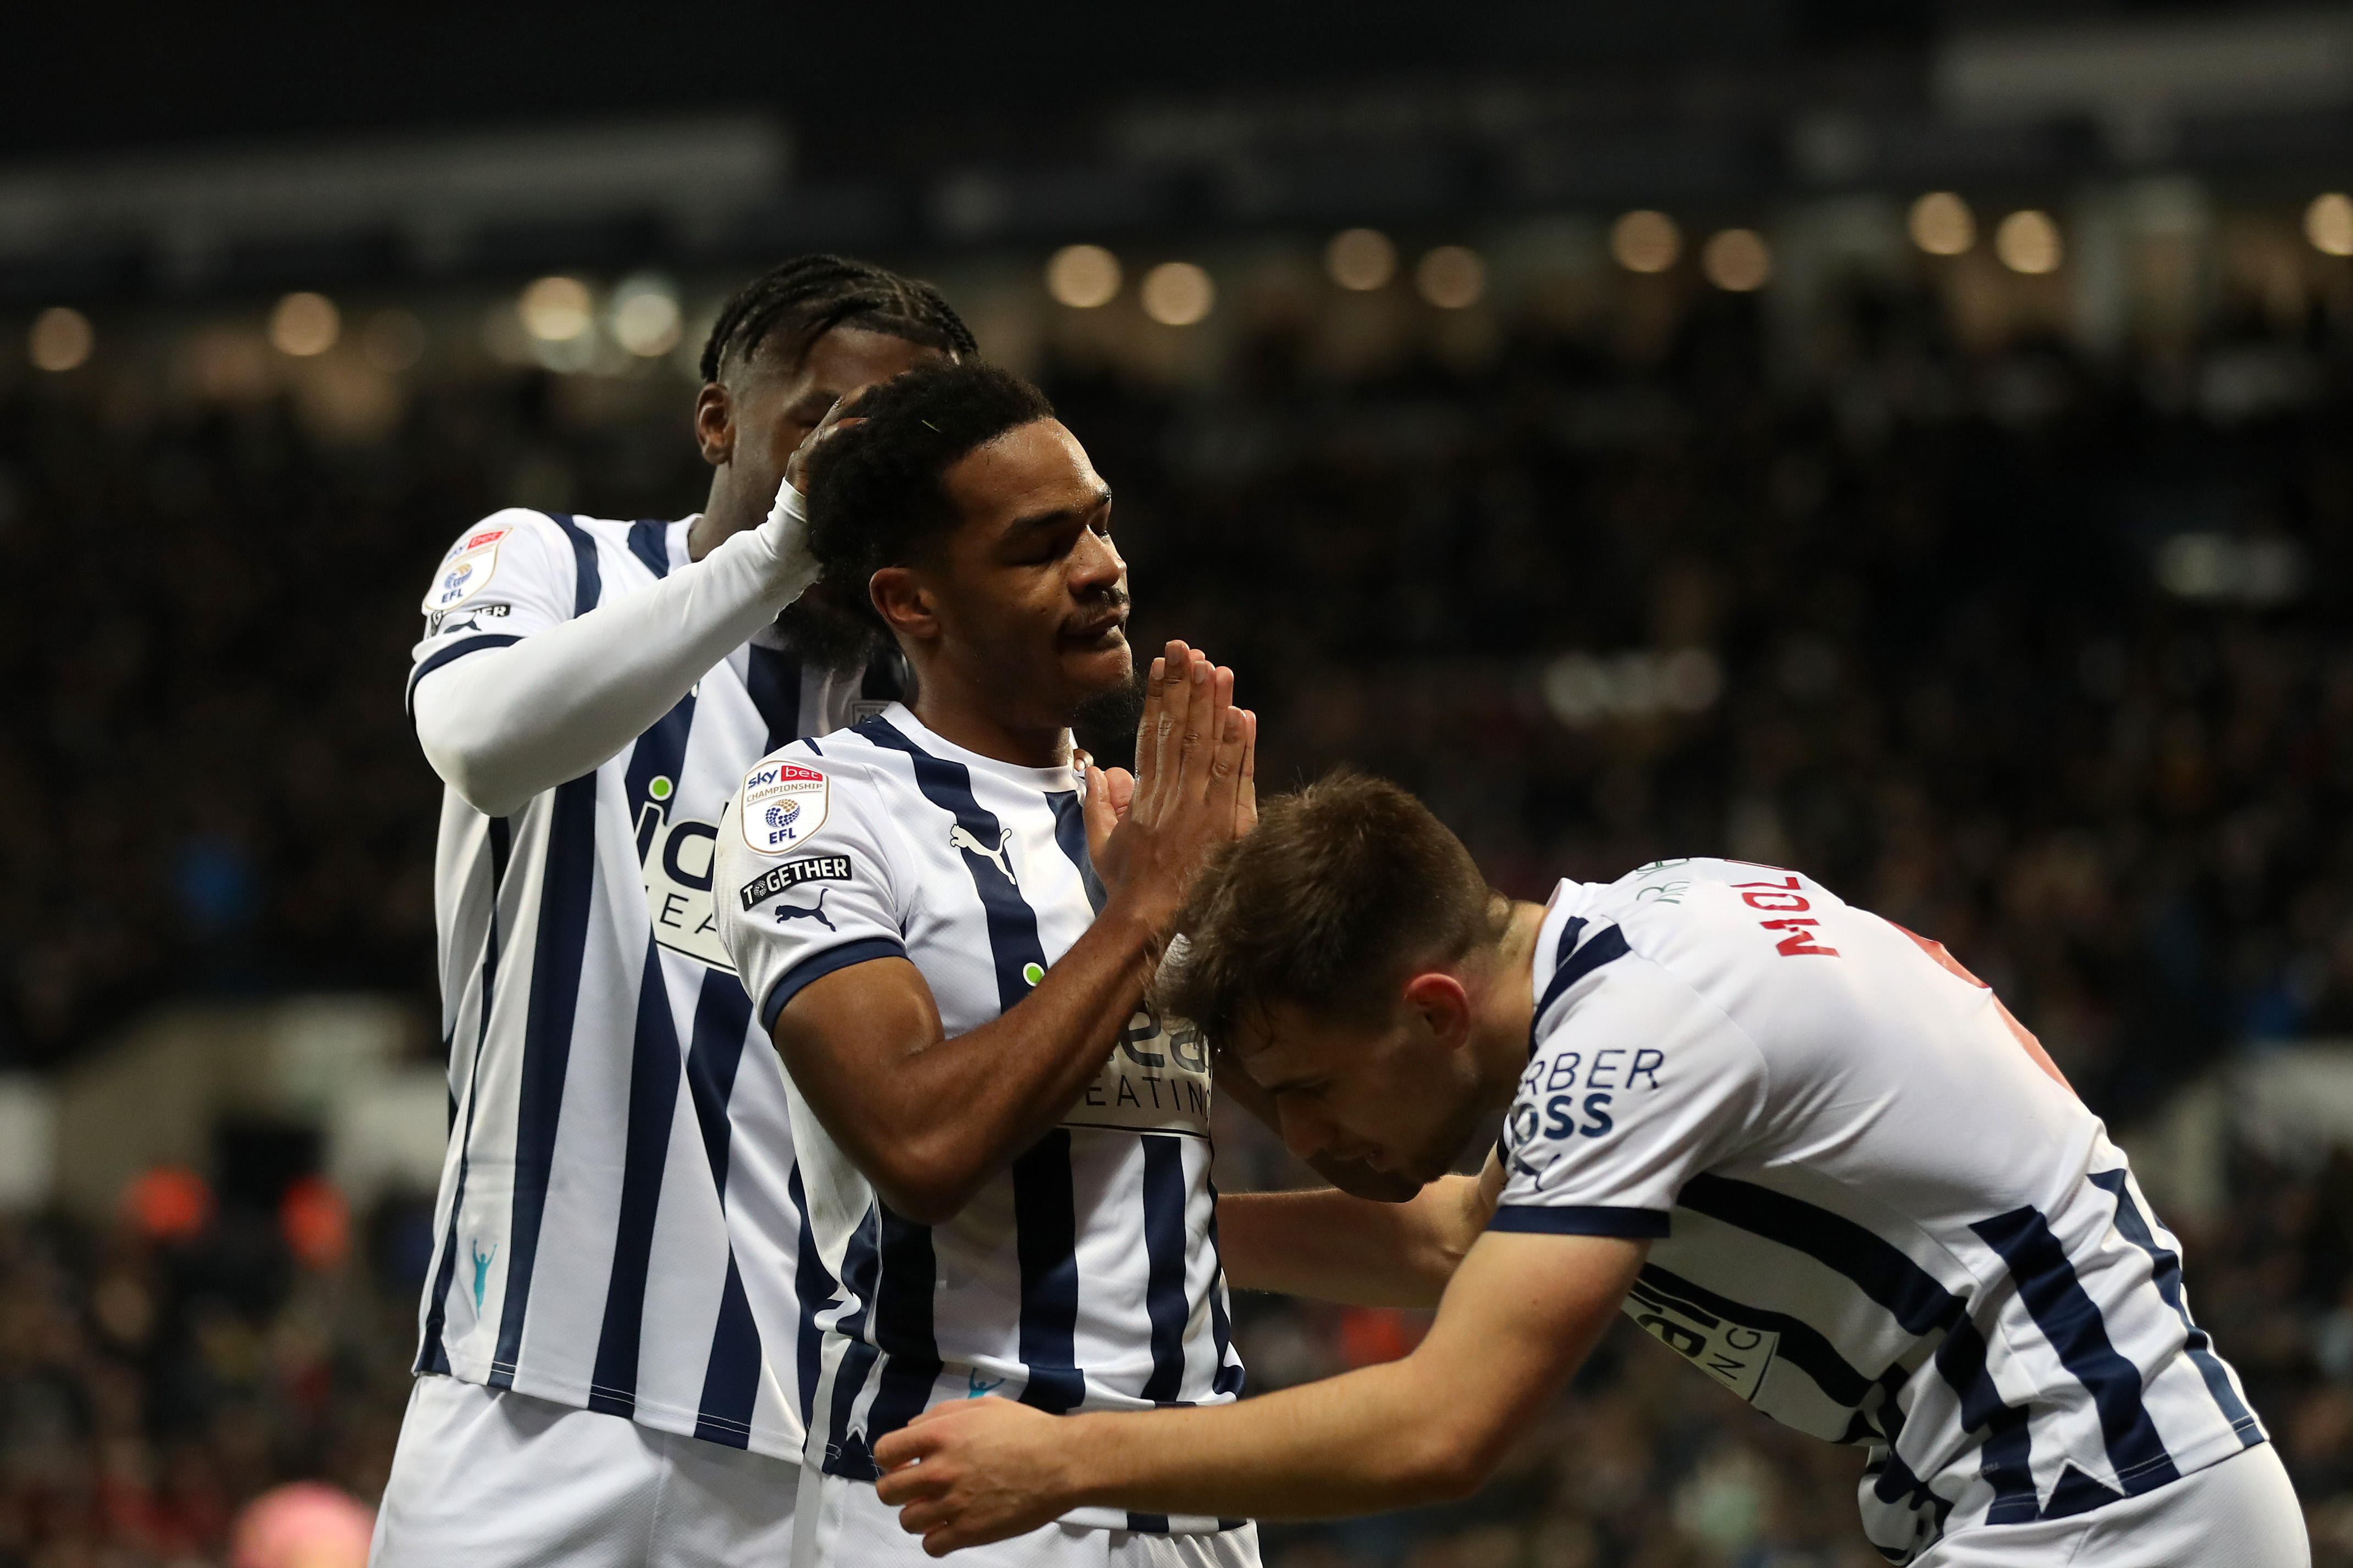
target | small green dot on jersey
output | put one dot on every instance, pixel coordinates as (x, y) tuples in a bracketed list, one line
[(660, 788), (1033, 973)]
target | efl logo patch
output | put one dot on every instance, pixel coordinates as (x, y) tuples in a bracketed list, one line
[(466, 572), (792, 874), (783, 805)]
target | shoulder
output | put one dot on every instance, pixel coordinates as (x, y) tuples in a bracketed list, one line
[(811, 788)]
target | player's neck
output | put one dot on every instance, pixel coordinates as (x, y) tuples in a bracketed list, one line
[(972, 726), (724, 515), (1506, 1002)]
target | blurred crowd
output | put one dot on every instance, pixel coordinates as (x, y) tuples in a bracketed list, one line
[(2039, 656)]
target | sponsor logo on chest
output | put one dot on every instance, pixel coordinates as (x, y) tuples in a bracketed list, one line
[(1156, 1080)]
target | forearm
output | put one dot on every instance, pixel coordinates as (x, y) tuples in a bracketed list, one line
[(1328, 1244), (505, 723)]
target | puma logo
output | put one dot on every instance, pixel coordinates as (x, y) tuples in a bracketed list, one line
[(814, 912), (958, 838)]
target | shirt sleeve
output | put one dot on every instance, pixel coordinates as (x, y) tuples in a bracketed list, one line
[(1636, 1084), (502, 579), (805, 881)]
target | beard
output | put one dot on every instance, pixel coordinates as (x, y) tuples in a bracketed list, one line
[(1104, 724), (828, 634)]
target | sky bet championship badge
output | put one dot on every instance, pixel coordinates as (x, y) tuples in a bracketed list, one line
[(783, 806), (466, 572)]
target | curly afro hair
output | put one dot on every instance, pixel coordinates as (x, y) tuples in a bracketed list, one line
[(874, 496)]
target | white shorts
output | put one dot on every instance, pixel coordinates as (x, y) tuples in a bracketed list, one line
[(2240, 1513), (843, 1523), (492, 1478)]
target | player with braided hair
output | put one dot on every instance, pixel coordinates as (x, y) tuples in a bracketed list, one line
[(611, 1366)]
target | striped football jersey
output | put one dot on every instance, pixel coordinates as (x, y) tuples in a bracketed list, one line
[(619, 1225), (1086, 1276), (1876, 1216)]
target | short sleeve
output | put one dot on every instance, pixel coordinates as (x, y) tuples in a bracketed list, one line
[(804, 882), (1637, 1083), (511, 574)]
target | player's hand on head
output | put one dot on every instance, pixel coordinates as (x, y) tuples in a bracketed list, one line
[(974, 1471), (837, 418)]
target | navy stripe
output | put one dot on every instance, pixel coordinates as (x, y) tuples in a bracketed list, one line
[(2072, 1321), (722, 1016), (1529, 1219), (816, 966), (1148, 1523), (653, 1103), (731, 1379), (903, 1325), (2165, 1273), (1071, 833), (772, 680), (587, 581), (659, 753), (1917, 1300), (847, 1452), (566, 886), (649, 543), (1046, 1227), (1802, 1345), (432, 1355), (455, 650), (813, 1287), (1164, 1251), (1229, 1378), (1605, 946), (1012, 923)]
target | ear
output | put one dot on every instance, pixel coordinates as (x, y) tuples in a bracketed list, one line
[(904, 604), (1441, 1007), (714, 424)]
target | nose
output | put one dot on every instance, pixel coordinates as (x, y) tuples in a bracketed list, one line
[(1304, 1133), (1095, 565)]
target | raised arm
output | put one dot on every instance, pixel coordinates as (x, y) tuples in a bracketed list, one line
[(501, 724), (928, 1119), (1524, 1312)]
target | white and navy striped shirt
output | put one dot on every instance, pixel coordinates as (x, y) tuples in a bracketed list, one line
[(1878, 1220), (1086, 1276), (619, 1219)]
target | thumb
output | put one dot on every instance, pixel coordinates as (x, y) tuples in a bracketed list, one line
[(1099, 809)]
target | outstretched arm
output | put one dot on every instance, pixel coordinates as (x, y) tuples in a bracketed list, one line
[(1337, 1247), (1523, 1312)]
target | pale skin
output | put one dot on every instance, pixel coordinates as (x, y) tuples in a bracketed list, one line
[(1519, 1317)]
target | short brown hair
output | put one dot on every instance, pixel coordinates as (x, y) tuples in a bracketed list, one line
[(1343, 885)]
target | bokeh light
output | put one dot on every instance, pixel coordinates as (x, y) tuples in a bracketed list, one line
[(168, 1203), (1451, 277), (1177, 293), (556, 309), (61, 339), (645, 319), (2028, 242), (1084, 277), (1361, 259), (2328, 224), (1736, 259), (304, 324), (304, 1524), (1645, 241), (1942, 224)]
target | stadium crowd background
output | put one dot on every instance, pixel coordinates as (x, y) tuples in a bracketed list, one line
[(2031, 637)]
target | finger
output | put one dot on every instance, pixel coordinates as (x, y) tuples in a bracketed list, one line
[(1099, 807), (1226, 769), (909, 1484), (1120, 784), (1149, 728), (1213, 697), (1246, 794), (1177, 698)]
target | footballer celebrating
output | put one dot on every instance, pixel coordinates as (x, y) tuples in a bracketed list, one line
[(1802, 1147), (1006, 1153), (610, 1361)]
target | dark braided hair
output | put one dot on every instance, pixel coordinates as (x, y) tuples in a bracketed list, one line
[(874, 495), (807, 297)]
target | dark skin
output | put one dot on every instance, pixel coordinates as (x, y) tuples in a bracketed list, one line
[(1012, 621), (752, 422)]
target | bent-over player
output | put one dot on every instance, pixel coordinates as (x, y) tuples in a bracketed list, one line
[(610, 1359), (1802, 1147)]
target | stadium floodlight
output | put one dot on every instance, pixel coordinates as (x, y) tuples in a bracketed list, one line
[(1737, 260), (1361, 259), (1645, 241), (2028, 242), (2328, 224), (1083, 277), (304, 325), (1451, 277), (1942, 224), (1177, 293), (61, 339)]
